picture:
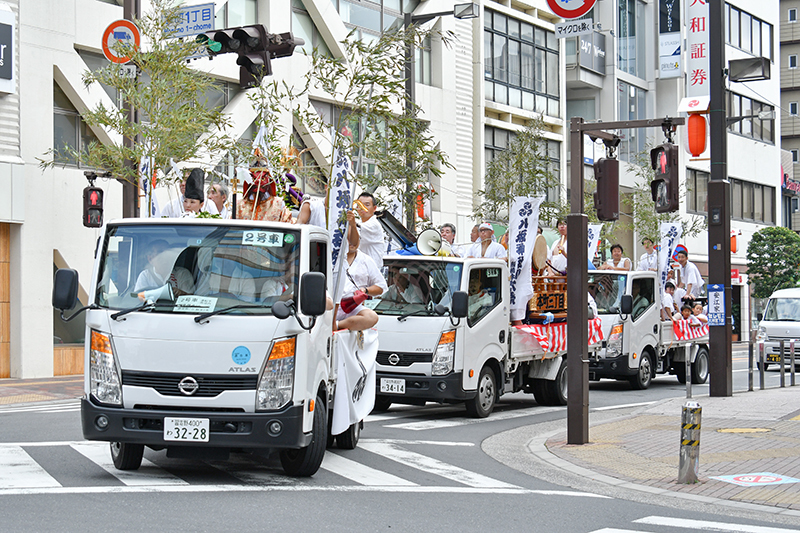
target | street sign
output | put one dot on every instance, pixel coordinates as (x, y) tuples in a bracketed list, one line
[(716, 305), (571, 28), (120, 30), (758, 479), (194, 20), (570, 9)]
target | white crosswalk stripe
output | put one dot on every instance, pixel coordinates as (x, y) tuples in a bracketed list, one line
[(18, 469), (49, 407), (360, 473), (148, 473), (693, 525)]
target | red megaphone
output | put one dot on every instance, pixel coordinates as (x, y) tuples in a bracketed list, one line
[(351, 302)]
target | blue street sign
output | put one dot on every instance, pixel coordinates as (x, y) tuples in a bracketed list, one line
[(716, 305)]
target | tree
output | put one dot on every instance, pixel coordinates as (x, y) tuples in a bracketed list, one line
[(170, 98), (773, 260), (523, 169)]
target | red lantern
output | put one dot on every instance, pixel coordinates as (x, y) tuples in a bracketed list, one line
[(696, 131)]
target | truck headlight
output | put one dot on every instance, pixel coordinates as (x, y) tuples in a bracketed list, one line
[(104, 379), (277, 379), (761, 335), (443, 357), (614, 342)]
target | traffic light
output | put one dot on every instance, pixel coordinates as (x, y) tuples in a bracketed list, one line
[(254, 46), (665, 186), (92, 207), (606, 197)]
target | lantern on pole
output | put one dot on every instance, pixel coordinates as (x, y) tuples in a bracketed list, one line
[(696, 134)]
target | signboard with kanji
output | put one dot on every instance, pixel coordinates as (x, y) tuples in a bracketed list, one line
[(697, 43), (716, 305)]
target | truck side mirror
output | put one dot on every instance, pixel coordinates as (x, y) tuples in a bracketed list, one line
[(760, 316), (460, 304), (65, 289), (626, 305), (312, 294)]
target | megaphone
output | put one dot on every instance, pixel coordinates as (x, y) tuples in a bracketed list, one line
[(429, 242)]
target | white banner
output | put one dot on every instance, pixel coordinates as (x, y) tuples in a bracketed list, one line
[(522, 225), (593, 231), (340, 200), (355, 353), (697, 45), (146, 172), (671, 233)]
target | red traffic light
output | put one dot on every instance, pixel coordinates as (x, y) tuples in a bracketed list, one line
[(665, 188), (92, 207)]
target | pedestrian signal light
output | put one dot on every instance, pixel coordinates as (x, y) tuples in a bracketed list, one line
[(606, 197), (93, 207), (665, 186)]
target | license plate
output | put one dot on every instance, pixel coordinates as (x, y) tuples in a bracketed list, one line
[(186, 429), (773, 358), (393, 386)]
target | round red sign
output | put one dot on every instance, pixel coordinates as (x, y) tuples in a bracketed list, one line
[(121, 30), (570, 9)]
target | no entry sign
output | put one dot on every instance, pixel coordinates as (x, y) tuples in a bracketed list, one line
[(120, 30), (570, 9)]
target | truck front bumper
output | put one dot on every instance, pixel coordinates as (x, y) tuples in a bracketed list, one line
[(228, 430), (610, 368), (428, 388)]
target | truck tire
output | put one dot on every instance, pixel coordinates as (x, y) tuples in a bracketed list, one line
[(556, 390), (483, 403), (642, 379), (382, 404), (680, 372), (699, 367), (127, 456), (539, 392), (765, 365), (349, 439), (305, 461)]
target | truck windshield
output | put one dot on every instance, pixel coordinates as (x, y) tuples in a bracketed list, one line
[(607, 290), (418, 286), (783, 309), (197, 268)]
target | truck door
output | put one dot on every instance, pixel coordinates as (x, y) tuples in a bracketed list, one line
[(646, 314), (487, 321)]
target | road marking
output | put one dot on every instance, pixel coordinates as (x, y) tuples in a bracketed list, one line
[(341, 466), (622, 406), (454, 422), (148, 474), (433, 466), (19, 470), (413, 442), (69, 405), (291, 488), (707, 525), (615, 530)]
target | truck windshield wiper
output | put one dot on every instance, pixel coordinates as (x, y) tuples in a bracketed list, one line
[(200, 318), (145, 306), (412, 313)]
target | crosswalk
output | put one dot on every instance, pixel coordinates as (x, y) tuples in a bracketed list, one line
[(60, 406), (680, 524)]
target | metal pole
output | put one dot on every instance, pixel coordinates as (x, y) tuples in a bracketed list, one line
[(690, 442), (130, 191), (750, 363), (791, 360), (719, 206), (411, 83), (577, 300), (688, 369), (761, 368), (783, 365)]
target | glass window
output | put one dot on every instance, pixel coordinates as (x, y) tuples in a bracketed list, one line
[(237, 13), (793, 61), (758, 202), (736, 199), (631, 37), (792, 14), (769, 209), (747, 200), (417, 286), (697, 191), (795, 156), (514, 63), (792, 108), (485, 293), (734, 22), (745, 37)]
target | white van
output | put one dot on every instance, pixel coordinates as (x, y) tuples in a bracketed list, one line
[(780, 322)]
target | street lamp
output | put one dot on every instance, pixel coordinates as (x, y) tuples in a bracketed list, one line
[(460, 11)]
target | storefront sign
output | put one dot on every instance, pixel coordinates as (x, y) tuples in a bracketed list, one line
[(592, 52), (697, 44), (8, 24)]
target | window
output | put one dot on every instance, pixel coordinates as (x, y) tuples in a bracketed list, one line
[(372, 17), (237, 13), (521, 64), (758, 123), (793, 108), (752, 202), (631, 103), (696, 191), (795, 156), (793, 61), (304, 27), (631, 40), (749, 33), (643, 296), (69, 129), (793, 14), (485, 292)]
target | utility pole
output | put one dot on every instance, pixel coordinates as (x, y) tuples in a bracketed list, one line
[(719, 206), (131, 10)]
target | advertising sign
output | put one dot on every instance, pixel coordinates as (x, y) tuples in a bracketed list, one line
[(697, 42), (8, 23), (592, 52)]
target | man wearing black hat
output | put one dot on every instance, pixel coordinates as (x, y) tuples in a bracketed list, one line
[(194, 199)]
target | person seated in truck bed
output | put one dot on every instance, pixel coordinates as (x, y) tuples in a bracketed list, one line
[(362, 275)]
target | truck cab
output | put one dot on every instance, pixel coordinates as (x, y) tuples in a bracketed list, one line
[(780, 322)]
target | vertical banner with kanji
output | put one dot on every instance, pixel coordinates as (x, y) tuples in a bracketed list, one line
[(671, 233), (522, 225), (593, 232), (340, 200), (697, 43)]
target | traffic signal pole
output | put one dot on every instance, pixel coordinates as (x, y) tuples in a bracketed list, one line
[(578, 277), (720, 364), (131, 10)]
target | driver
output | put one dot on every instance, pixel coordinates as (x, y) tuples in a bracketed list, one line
[(160, 272), (402, 290)]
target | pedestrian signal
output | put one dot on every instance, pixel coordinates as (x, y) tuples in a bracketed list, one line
[(665, 187), (93, 207)]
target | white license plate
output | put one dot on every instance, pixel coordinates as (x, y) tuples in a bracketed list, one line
[(393, 386), (186, 429)]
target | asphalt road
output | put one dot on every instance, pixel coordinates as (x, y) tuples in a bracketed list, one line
[(415, 468)]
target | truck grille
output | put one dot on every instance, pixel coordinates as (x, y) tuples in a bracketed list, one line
[(209, 385), (405, 359)]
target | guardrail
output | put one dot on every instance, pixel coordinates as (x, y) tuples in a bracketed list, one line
[(762, 362)]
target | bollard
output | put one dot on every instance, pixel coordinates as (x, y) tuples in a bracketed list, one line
[(750, 366), (690, 442), (791, 360), (761, 365), (783, 365)]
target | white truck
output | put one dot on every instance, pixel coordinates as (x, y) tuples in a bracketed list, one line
[(445, 337), (637, 343), (194, 343)]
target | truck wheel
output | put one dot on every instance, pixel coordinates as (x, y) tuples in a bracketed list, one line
[(482, 404), (305, 461), (644, 376), (765, 366), (700, 367), (556, 390), (349, 439), (539, 393), (680, 372), (127, 456), (382, 404)]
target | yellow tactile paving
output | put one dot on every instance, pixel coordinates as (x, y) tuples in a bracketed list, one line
[(25, 398)]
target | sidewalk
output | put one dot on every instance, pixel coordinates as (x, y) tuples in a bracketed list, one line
[(749, 433), (14, 391)]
